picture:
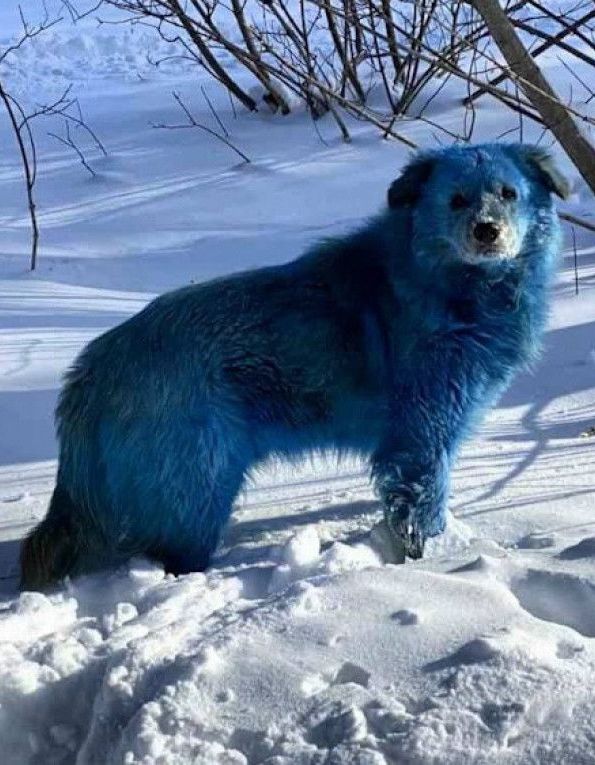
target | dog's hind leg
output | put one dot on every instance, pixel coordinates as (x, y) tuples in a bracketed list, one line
[(191, 550), (172, 485), (187, 543)]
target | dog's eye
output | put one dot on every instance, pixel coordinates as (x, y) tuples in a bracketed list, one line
[(508, 192), (458, 202)]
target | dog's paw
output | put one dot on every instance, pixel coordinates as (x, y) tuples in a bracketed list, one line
[(413, 539), (407, 534)]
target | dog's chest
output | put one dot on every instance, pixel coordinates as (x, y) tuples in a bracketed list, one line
[(483, 303), (495, 328)]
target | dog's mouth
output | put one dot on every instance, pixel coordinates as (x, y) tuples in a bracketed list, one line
[(487, 254), (504, 248), (492, 252)]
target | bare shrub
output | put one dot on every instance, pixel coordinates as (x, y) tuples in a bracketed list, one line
[(22, 119), (321, 53)]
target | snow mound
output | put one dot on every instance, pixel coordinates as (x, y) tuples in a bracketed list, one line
[(337, 658), (86, 53)]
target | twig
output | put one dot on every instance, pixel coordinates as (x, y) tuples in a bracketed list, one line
[(68, 141), (231, 103), (80, 122), (575, 261), (577, 221), (213, 112), (192, 123), (76, 15)]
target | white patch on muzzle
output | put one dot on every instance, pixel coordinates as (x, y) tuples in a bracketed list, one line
[(505, 247)]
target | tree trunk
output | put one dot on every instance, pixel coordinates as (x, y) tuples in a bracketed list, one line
[(537, 89)]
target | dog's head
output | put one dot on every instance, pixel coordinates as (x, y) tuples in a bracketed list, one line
[(478, 203)]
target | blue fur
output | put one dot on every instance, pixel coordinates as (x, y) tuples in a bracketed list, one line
[(383, 342)]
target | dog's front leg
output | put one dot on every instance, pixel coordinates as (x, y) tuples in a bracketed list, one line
[(413, 485)]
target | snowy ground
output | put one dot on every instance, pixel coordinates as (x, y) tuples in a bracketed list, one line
[(300, 645)]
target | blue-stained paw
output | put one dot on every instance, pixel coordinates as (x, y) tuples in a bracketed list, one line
[(406, 532)]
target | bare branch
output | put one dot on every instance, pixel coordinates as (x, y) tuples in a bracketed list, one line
[(192, 123), (577, 221), (29, 164), (213, 112), (67, 140), (21, 120)]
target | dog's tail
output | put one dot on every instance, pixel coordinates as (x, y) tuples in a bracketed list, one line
[(54, 548)]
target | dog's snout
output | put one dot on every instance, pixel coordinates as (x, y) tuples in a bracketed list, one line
[(486, 232)]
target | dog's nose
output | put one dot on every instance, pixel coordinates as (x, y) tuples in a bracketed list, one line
[(486, 232)]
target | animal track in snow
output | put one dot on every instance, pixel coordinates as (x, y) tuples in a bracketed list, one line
[(405, 617), (476, 651), (568, 650), (503, 719), (584, 549), (536, 541), (17, 496), (352, 673), (558, 597)]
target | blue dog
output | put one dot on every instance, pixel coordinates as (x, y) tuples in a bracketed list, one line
[(389, 342)]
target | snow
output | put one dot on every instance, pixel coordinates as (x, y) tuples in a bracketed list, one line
[(304, 643)]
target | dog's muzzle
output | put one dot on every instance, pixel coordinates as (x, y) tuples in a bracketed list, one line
[(490, 240)]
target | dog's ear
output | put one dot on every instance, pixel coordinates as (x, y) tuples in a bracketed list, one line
[(542, 161), (406, 189)]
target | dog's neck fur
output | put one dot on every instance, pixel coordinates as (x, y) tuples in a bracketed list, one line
[(504, 304)]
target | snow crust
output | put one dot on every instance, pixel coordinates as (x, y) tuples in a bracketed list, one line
[(305, 643)]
